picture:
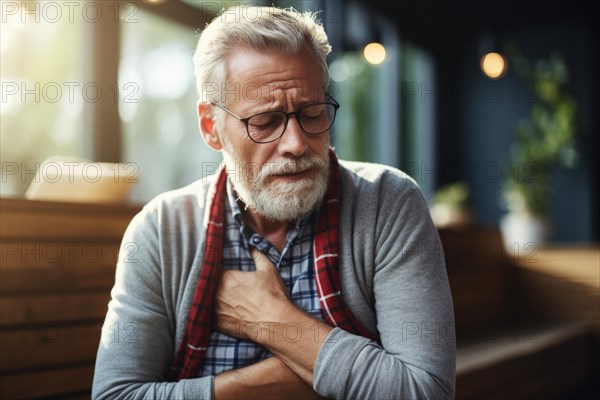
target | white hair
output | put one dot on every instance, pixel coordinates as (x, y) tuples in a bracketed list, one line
[(264, 29)]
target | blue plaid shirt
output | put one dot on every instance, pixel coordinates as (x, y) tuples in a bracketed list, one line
[(295, 266)]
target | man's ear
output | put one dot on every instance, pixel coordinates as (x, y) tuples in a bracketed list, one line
[(208, 128)]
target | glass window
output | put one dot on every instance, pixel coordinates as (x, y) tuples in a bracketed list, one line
[(157, 106), (42, 90), (351, 84)]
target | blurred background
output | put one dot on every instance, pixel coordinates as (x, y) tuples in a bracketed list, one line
[(115, 83), (491, 106)]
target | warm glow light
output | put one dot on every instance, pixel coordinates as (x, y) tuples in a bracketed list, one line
[(493, 65), (374, 53)]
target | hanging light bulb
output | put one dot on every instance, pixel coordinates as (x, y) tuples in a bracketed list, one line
[(374, 53), (493, 65)]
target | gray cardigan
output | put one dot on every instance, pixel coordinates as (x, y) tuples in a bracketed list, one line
[(392, 274)]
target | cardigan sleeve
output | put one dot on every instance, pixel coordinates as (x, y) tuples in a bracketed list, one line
[(137, 342), (413, 307)]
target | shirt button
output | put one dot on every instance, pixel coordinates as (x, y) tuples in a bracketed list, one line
[(283, 262), (256, 240)]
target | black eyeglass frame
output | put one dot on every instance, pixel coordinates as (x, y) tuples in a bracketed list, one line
[(295, 113)]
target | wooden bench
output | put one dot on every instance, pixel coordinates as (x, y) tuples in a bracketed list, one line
[(57, 269), (515, 337)]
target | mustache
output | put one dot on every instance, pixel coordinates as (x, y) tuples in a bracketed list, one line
[(291, 166)]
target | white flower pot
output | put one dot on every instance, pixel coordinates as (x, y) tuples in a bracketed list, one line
[(523, 232)]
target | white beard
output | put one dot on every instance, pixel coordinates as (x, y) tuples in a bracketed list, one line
[(276, 200)]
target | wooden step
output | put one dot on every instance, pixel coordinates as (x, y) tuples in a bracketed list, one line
[(542, 363), (56, 383)]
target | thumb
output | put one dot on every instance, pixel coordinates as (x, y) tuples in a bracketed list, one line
[(262, 262)]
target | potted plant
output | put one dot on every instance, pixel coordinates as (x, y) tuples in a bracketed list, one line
[(449, 208), (544, 141)]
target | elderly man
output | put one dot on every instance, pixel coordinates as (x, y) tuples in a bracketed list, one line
[(287, 274)]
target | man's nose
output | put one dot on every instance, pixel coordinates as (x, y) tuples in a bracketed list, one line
[(293, 141)]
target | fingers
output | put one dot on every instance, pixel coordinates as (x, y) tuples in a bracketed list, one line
[(256, 255), (262, 262)]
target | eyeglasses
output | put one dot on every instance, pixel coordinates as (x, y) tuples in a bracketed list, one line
[(269, 126)]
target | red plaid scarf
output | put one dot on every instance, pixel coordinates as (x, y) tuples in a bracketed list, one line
[(192, 349)]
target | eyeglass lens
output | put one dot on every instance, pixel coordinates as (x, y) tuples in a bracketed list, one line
[(313, 119)]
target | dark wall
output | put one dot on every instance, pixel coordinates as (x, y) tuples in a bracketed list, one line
[(484, 127), (476, 116)]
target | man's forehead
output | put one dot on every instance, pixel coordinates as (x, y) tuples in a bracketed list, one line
[(271, 75), (251, 92)]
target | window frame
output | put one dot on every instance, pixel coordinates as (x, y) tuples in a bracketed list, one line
[(103, 138)]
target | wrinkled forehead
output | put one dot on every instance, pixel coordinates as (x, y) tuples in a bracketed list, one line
[(251, 93), (270, 77)]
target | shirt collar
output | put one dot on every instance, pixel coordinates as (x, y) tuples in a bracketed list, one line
[(232, 197)]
